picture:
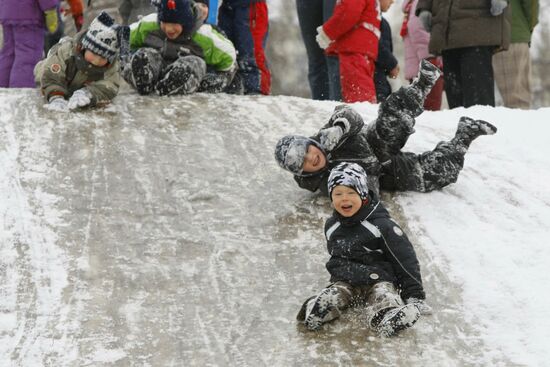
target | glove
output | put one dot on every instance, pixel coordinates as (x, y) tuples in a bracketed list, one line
[(51, 20), (425, 18), (322, 38), (422, 306), (498, 6), (78, 21), (80, 98), (57, 103), (329, 137)]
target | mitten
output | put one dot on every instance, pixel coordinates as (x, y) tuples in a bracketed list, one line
[(57, 103), (329, 137), (80, 98), (51, 20), (422, 306), (425, 18), (498, 6), (322, 39), (78, 21)]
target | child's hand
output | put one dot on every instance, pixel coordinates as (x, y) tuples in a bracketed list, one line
[(498, 6), (57, 103), (322, 38), (80, 98), (329, 137), (394, 72)]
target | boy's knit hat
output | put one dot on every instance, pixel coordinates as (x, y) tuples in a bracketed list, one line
[(291, 150), (102, 37), (178, 11), (351, 175)]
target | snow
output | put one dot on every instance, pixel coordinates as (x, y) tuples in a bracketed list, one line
[(161, 230)]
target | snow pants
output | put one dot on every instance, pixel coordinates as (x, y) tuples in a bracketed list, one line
[(377, 297), (323, 70), (23, 47), (247, 27), (406, 171), (468, 74), (357, 77)]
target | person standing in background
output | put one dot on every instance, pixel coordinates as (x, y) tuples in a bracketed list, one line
[(23, 23), (467, 34), (513, 67), (132, 10), (323, 70), (245, 22), (416, 40), (76, 9), (386, 63)]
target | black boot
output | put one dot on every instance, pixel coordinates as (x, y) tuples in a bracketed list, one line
[(183, 76), (321, 309), (469, 129), (145, 66), (427, 77), (392, 320)]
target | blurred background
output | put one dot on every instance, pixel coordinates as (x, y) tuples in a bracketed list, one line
[(287, 58)]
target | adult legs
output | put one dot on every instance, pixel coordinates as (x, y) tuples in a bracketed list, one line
[(310, 16), (512, 70), (7, 55), (28, 47), (333, 61)]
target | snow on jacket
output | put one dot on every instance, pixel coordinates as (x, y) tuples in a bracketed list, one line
[(458, 24), (21, 12), (65, 71), (352, 147), (416, 42), (216, 50), (354, 27), (525, 16), (370, 247)]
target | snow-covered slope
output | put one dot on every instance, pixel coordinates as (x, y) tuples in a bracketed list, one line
[(160, 232)]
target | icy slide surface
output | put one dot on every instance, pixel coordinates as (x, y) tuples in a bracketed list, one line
[(161, 232)]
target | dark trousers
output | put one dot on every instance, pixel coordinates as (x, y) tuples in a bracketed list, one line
[(323, 71), (468, 74)]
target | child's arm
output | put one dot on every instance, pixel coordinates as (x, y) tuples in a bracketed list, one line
[(140, 29), (53, 80), (400, 253), (218, 51), (346, 16), (343, 123)]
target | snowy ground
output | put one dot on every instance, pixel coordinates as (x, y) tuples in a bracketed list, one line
[(160, 232)]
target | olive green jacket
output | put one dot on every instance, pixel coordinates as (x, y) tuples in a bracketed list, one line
[(64, 71), (525, 16), (465, 23)]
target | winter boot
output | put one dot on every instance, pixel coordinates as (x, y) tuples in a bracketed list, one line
[(390, 321), (183, 76), (321, 309), (145, 67), (427, 76), (469, 129)]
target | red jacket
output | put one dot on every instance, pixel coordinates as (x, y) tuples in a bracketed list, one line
[(354, 27)]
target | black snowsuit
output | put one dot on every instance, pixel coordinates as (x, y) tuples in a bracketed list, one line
[(370, 247), (385, 62), (377, 148)]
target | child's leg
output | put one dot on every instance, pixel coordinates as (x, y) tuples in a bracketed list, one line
[(144, 69), (356, 77), (435, 169), (29, 44), (183, 76), (327, 305), (386, 312), (395, 122), (7, 55)]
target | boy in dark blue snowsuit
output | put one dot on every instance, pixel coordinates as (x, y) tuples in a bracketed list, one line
[(372, 260), (245, 22)]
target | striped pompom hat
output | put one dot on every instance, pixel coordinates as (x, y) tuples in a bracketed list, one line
[(101, 37)]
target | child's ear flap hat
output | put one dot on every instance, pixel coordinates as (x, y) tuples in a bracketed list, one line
[(291, 150), (181, 12), (102, 37), (351, 175)]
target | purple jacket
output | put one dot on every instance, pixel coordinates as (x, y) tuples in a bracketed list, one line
[(416, 42), (22, 12)]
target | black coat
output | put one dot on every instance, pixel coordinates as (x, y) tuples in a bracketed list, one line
[(352, 147), (385, 62), (370, 247)]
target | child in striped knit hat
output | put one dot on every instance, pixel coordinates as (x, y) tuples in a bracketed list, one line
[(84, 71)]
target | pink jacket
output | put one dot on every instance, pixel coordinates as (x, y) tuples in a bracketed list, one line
[(416, 42)]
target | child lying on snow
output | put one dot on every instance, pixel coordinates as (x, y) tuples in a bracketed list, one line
[(175, 53), (372, 261), (377, 146), (83, 71)]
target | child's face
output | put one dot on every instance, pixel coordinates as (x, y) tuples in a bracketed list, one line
[(314, 160), (385, 5), (94, 59), (171, 30), (346, 200)]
